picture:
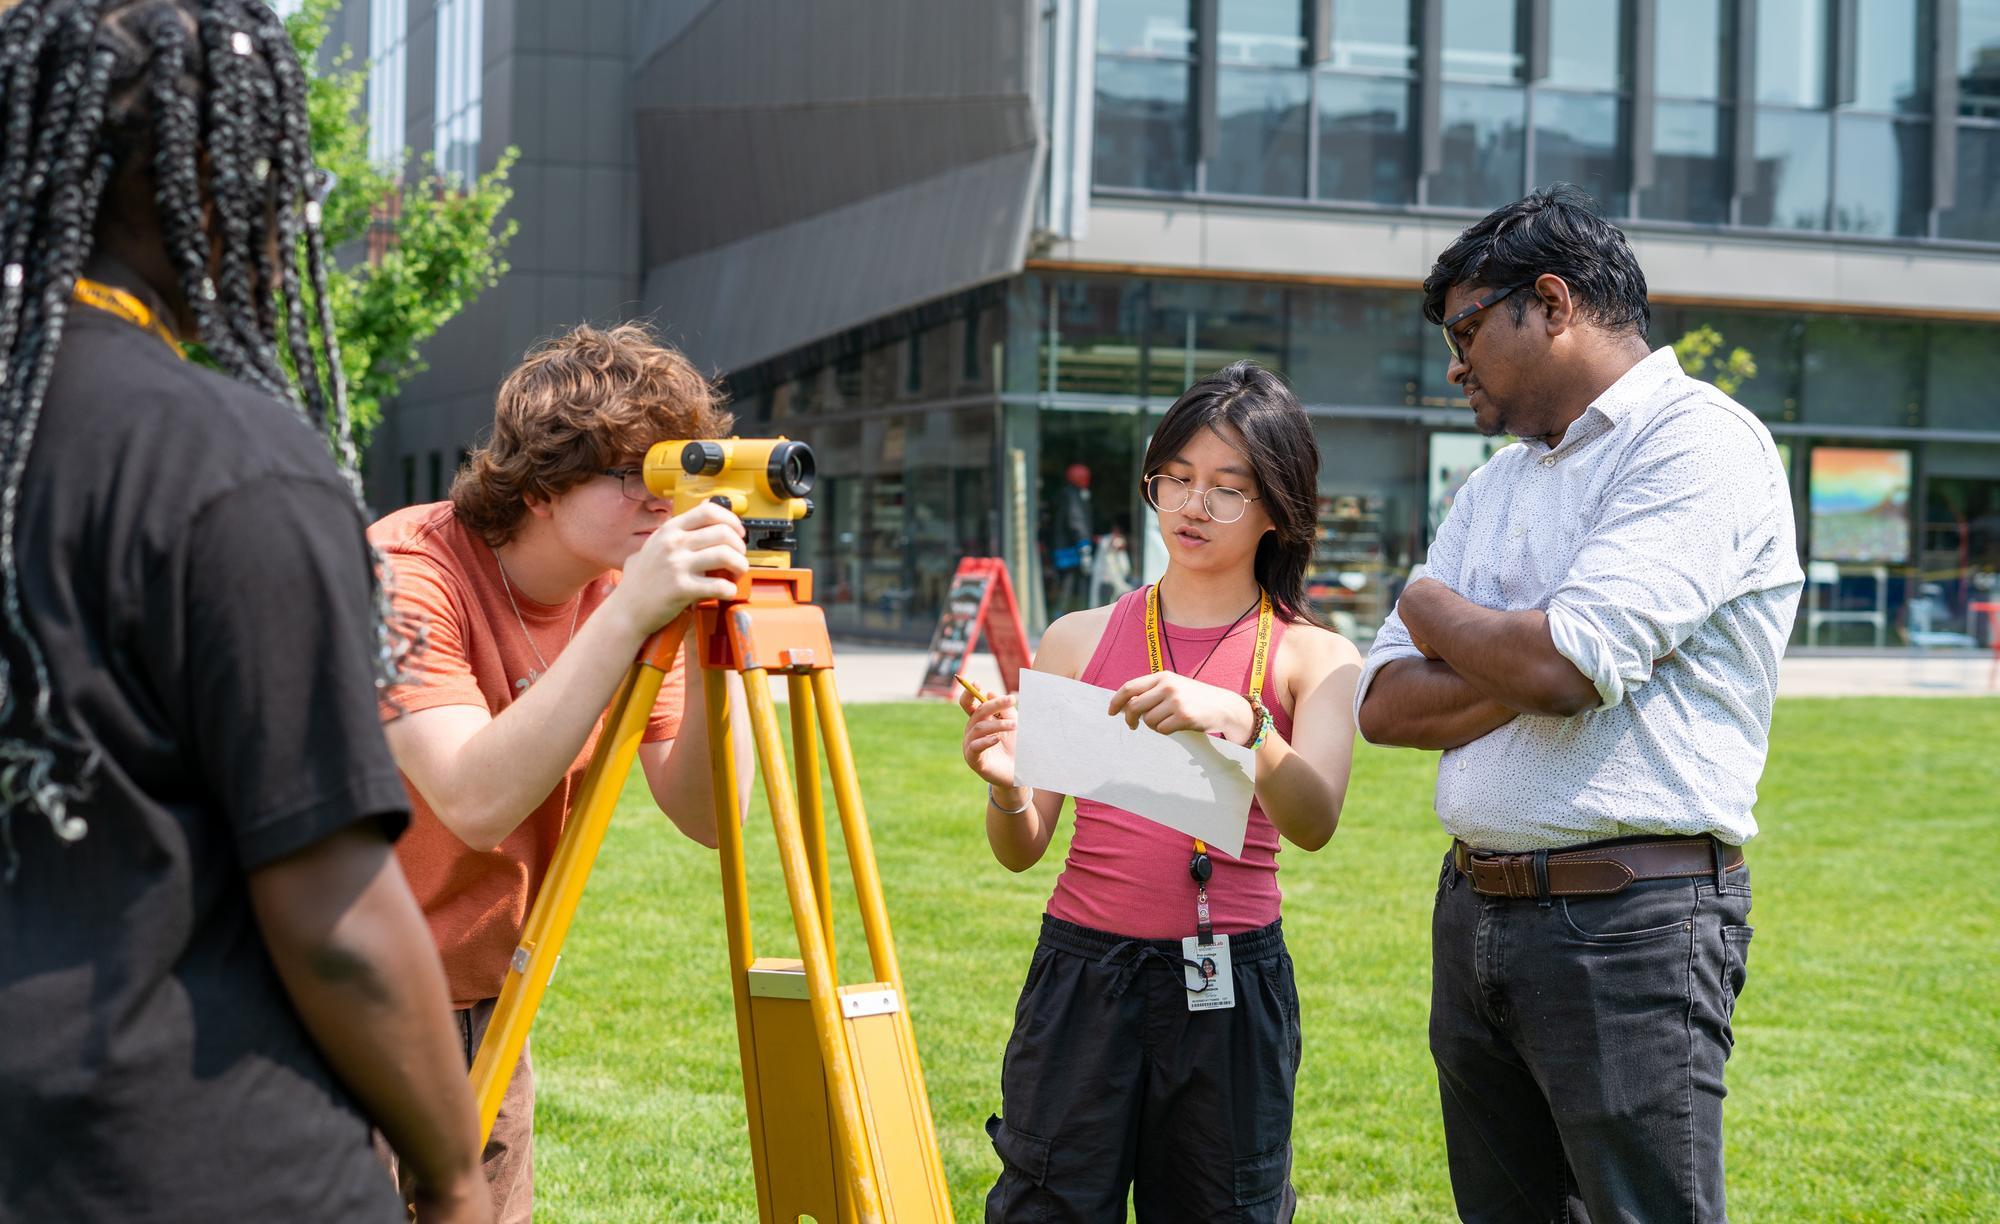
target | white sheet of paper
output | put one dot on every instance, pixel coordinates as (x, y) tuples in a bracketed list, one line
[(1190, 782)]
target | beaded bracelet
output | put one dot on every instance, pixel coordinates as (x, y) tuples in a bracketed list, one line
[(1264, 723)]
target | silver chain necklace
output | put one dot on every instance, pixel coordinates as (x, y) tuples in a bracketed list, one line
[(521, 685)]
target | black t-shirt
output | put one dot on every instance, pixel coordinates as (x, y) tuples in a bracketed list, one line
[(196, 574)]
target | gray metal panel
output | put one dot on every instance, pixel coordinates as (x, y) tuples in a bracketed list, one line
[(790, 285), (776, 142), (1208, 44), (1744, 170), (1944, 106), (1537, 15), (1644, 29), (1430, 88)]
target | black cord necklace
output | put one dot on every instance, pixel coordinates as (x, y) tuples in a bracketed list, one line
[(1168, 642)]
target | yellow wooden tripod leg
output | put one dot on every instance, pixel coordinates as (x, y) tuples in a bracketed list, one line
[(874, 910), (855, 1154), (812, 802), (723, 782), (548, 922)]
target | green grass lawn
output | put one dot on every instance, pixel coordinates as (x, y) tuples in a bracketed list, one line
[(1865, 1083)]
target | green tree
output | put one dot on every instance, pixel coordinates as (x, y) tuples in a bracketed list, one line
[(1701, 350), (419, 249)]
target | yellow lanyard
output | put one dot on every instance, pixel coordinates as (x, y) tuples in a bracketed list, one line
[(115, 301), (1258, 658)]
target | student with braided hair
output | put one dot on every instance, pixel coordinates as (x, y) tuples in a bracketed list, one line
[(213, 975)]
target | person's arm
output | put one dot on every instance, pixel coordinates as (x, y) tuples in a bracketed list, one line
[(1506, 657), (1020, 838), (356, 959), (1416, 702), (483, 774), (677, 769)]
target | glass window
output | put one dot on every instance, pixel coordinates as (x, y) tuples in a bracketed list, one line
[(1791, 52), (388, 78), (1690, 164), (1144, 137), (1774, 341), (1579, 138), (1979, 57), (1587, 44), (1096, 345), (1261, 125), (1483, 147), (1377, 36), (1892, 55), (1976, 215), (1371, 516), (1962, 390), (1691, 46), (1365, 150), (1482, 40), (460, 73), (1261, 32), (1145, 27), (1863, 371), (1356, 347), (1881, 181), (1195, 329), (1788, 182)]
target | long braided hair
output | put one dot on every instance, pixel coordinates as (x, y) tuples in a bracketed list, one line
[(208, 97)]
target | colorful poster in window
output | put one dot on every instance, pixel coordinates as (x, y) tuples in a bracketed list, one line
[(1860, 505)]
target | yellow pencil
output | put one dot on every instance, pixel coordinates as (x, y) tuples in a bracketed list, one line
[(972, 688)]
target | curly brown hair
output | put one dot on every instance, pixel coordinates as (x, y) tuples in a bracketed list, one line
[(576, 405)]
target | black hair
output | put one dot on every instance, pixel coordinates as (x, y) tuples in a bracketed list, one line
[(206, 100), (1556, 231), (1278, 441)]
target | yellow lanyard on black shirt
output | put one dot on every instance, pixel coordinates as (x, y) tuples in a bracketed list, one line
[(115, 301)]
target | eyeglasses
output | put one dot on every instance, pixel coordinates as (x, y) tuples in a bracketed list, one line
[(631, 482), (1171, 493), (1451, 341)]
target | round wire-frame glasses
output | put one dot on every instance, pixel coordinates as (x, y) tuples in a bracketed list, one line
[(1171, 493)]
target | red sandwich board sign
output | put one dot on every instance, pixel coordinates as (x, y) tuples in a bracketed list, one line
[(981, 598)]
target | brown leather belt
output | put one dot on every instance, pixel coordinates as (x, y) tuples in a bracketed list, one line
[(1595, 870)]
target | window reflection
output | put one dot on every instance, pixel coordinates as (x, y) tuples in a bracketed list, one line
[(1261, 121), (1365, 151), (1578, 139), (1882, 176), (1483, 147), (1690, 163), (1143, 134), (1482, 40), (1788, 179), (1586, 44)]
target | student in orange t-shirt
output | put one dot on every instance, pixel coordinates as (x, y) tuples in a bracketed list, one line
[(536, 584)]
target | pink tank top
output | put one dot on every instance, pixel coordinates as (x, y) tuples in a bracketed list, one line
[(1125, 874)]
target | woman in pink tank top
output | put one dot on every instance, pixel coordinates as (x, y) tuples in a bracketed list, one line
[(1157, 1039)]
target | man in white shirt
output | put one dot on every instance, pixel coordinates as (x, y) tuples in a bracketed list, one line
[(1595, 646)]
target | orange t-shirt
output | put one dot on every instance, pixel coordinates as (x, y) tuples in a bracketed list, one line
[(476, 654)]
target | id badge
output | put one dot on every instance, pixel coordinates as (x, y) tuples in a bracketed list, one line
[(1211, 987)]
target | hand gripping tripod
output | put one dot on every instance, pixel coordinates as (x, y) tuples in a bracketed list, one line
[(840, 1124)]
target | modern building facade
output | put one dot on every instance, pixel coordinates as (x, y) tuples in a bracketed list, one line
[(972, 251)]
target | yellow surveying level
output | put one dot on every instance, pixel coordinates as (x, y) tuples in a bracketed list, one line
[(840, 1123)]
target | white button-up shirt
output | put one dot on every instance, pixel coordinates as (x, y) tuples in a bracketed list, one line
[(1658, 540)]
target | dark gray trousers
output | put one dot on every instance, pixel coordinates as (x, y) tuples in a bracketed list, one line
[(1580, 1046)]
